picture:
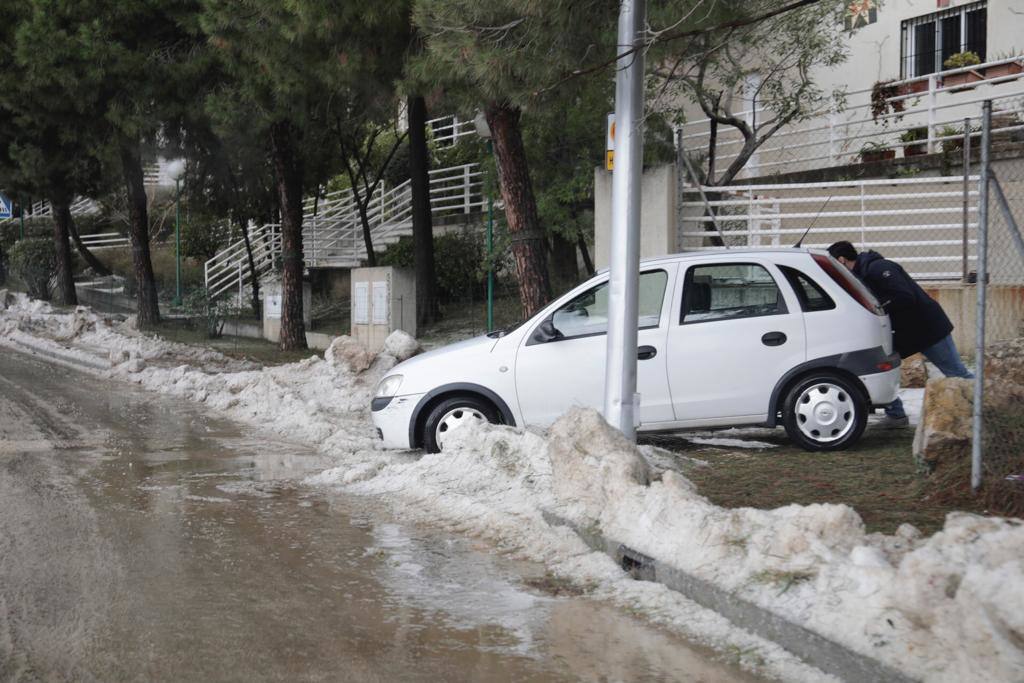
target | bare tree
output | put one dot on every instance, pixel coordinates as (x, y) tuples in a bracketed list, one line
[(754, 78)]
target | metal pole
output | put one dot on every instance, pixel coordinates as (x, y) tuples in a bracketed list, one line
[(490, 252), (177, 242), (967, 192), (620, 397), (21, 208), (979, 340)]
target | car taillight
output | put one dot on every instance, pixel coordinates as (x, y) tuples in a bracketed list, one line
[(850, 284)]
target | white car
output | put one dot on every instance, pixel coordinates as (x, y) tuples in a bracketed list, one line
[(730, 338)]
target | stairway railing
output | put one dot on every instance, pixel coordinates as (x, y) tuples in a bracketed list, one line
[(332, 231)]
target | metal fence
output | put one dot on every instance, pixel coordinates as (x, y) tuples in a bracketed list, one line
[(997, 464), (928, 224)]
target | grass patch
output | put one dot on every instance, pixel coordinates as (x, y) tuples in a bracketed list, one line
[(1002, 456), (243, 348), (556, 585), (877, 477), (162, 257), (784, 580)]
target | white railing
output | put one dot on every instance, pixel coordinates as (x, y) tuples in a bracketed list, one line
[(332, 230), (934, 109), (926, 224), (81, 206), (447, 130), (229, 270), (105, 240)]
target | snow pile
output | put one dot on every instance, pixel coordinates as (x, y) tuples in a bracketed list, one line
[(318, 402), (949, 608), (401, 345), (946, 608)]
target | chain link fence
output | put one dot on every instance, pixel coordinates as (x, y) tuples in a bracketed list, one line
[(997, 467)]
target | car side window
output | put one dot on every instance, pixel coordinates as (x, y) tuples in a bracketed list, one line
[(587, 314), (728, 291), (812, 297)]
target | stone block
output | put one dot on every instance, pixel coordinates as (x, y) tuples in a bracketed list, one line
[(913, 373), (944, 430)]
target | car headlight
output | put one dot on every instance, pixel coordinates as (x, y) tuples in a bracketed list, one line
[(388, 386)]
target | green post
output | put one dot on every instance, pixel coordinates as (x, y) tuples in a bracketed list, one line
[(490, 254), (177, 242)]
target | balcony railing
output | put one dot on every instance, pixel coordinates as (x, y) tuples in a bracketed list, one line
[(923, 114)]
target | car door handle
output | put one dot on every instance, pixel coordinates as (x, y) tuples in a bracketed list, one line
[(646, 352), (773, 339)]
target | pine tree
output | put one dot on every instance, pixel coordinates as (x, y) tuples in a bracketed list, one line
[(499, 56), (293, 69), (111, 73), (45, 153)]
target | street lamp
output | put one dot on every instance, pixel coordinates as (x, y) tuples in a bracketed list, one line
[(175, 170), (484, 131)]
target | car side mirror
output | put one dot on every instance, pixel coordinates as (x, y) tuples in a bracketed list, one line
[(547, 332)]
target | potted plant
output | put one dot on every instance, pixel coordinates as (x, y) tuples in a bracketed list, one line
[(872, 152), (882, 93), (964, 78), (914, 141), (955, 141), (915, 86), (1006, 68)]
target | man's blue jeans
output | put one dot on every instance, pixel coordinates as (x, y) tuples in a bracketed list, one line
[(944, 356)]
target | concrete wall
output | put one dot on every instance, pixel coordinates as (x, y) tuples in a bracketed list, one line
[(314, 340), (657, 213), (875, 49), (874, 54), (1004, 317)]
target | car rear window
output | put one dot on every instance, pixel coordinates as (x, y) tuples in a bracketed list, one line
[(812, 297)]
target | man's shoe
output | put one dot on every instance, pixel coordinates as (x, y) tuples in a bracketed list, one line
[(889, 422)]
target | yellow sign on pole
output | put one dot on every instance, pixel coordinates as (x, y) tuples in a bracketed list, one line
[(609, 154)]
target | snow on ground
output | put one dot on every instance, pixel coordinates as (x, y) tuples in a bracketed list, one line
[(728, 443), (945, 608)]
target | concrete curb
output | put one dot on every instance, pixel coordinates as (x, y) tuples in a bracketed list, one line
[(816, 650)]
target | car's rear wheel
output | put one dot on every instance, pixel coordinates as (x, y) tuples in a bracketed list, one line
[(824, 412), (452, 413)]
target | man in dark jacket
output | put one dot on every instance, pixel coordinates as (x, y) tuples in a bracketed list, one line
[(919, 324)]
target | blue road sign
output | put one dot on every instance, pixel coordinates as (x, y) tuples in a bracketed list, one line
[(5, 208)]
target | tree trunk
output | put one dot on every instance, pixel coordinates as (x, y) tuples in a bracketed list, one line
[(138, 232), (83, 251), (564, 270), (253, 278), (65, 293), (364, 219), (427, 310), (520, 207), (288, 170), (585, 253)]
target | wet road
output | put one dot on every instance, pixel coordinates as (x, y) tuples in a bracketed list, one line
[(141, 539)]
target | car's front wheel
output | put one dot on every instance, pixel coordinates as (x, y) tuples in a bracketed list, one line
[(452, 413), (824, 412)]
